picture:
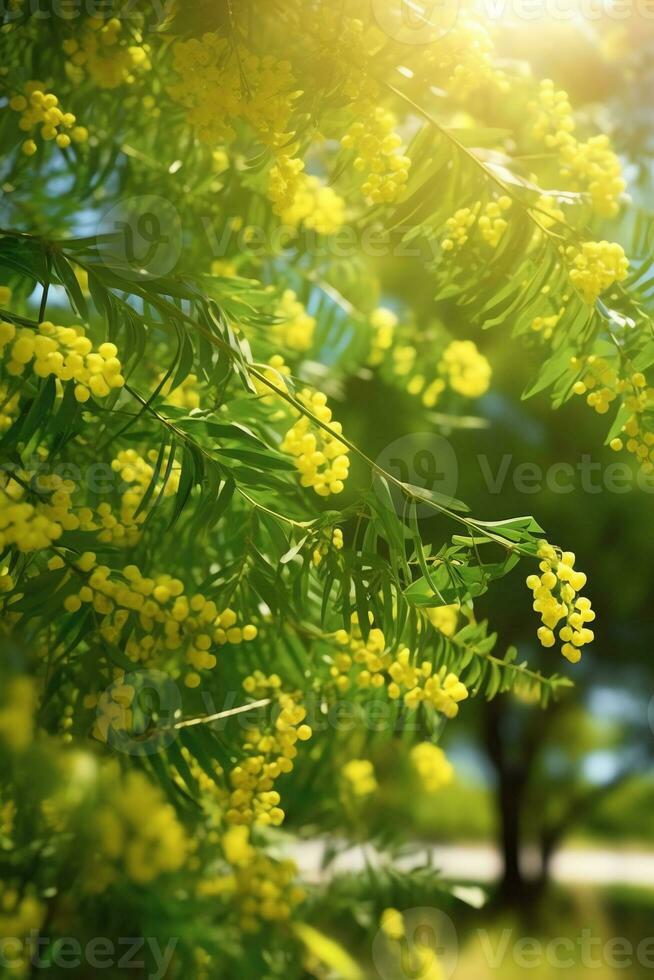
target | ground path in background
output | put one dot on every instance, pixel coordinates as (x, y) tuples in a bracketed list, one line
[(482, 863)]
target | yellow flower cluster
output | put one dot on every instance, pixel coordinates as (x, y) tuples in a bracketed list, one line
[(220, 84), (316, 206), (392, 924), (8, 406), (285, 180), (381, 667), (491, 223), (137, 832), (169, 619), (602, 386), (443, 690), (595, 267), (261, 888), (343, 46), (6, 580), (429, 391), (359, 778), (383, 322), (32, 526), (38, 107), (320, 457), (444, 618), (547, 212), (461, 366), (431, 765), (463, 58), (185, 395), (600, 382), (466, 370), (211, 85), (100, 54), (377, 146), (113, 708), (555, 598), (458, 227), (591, 165), (276, 371), (333, 539), (296, 332), (545, 325), (5, 295), (65, 352), (17, 713), (138, 471), (253, 798), (371, 655), (489, 220)]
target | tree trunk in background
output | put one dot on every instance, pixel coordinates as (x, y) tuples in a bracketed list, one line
[(511, 764)]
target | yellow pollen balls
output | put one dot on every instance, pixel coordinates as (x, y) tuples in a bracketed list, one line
[(183, 395), (489, 220), (320, 457), (392, 924), (100, 54), (461, 367), (383, 323), (589, 165), (113, 706), (359, 778), (137, 832), (545, 325), (462, 60), (555, 598), (33, 520), (458, 227), (330, 538), (443, 690), (296, 332), (285, 181), (395, 671), (8, 406), (595, 267), (315, 205), (139, 472), (259, 888), (158, 615), (271, 749), (491, 223), (38, 107), (444, 618), (67, 354), (601, 385), (466, 370), (431, 765), (210, 85), (378, 152)]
